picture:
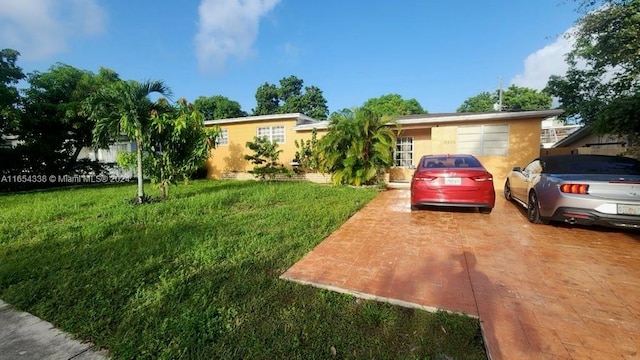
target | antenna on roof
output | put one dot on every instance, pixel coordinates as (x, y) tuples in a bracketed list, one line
[(498, 105), (500, 96)]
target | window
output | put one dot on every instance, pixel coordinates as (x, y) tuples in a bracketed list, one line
[(533, 168), (483, 139), (403, 154), (223, 138), (272, 133)]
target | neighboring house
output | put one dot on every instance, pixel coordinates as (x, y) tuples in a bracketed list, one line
[(554, 130), (105, 156), (9, 141), (586, 141), (110, 156), (500, 140)]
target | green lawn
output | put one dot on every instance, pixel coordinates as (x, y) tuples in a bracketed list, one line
[(196, 276)]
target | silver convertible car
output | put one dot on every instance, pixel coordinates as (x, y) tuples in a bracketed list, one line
[(578, 189)]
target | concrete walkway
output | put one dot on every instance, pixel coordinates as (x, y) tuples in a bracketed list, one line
[(541, 292), (24, 336)]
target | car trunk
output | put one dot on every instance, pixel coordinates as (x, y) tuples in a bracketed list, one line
[(609, 186), (452, 179)]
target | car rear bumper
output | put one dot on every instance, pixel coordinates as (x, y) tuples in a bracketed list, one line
[(593, 217), (482, 195), (453, 204)]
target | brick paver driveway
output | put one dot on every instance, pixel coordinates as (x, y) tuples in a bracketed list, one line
[(555, 292)]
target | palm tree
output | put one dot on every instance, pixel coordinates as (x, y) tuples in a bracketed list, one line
[(124, 107), (357, 147)]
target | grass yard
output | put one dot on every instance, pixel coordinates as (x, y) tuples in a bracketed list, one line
[(196, 276)]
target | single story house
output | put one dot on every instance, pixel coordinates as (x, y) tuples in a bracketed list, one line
[(554, 130), (500, 140), (586, 141), (110, 156), (227, 160)]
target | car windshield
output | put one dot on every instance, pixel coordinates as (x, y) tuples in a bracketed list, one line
[(590, 164), (450, 161)]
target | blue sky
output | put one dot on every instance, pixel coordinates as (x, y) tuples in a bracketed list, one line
[(438, 52)]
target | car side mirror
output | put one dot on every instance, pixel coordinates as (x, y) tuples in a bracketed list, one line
[(517, 168)]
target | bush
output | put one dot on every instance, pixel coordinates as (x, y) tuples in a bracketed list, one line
[(265, 159)]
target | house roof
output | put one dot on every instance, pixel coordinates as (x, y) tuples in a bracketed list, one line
[(306, 123), (471, 117), (300, 119), (310, 126), (573, 137)]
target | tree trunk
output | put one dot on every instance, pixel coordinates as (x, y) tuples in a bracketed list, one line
[(164, 187), (73, 159), (140, 178)]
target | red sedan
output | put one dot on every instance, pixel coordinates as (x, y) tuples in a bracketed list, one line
[(452, 180)]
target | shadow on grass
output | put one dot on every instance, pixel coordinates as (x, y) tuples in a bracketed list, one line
[(54, 189)]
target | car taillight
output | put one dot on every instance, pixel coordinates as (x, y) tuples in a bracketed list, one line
[(424, 178), (485, 177), (575, 188)]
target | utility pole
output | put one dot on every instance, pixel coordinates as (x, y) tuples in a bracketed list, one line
[(500, 96)]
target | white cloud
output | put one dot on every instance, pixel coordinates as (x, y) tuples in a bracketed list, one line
[(550, 60), (228, 28), (290, 53), (290, 50), (41, 28)]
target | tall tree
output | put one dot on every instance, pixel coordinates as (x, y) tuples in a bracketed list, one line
[(514, 98), (585, 6), (394, 104), (602, 84), (218, 107), (517, 98), (125, 107), (290, 98), (313, 103), (267, 99), (54, 127), (290, 87), (357, 148), (10, 75), (482, 102)]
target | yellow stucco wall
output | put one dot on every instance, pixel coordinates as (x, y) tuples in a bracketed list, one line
[(524, 145), (230, 158), (421, 146)]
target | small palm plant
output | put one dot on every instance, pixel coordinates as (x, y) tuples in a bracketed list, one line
[(357, 149), (124, 107)]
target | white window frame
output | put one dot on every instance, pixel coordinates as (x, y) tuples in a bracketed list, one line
[(407, 160), (272, 133), (483, 140), (223, 139)]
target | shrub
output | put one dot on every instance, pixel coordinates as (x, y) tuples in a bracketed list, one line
[(265, 159)]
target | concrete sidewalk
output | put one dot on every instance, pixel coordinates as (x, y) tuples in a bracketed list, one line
[(24, 336)]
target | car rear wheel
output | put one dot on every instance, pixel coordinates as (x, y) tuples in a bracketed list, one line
[(533, 210), (507, 190)]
